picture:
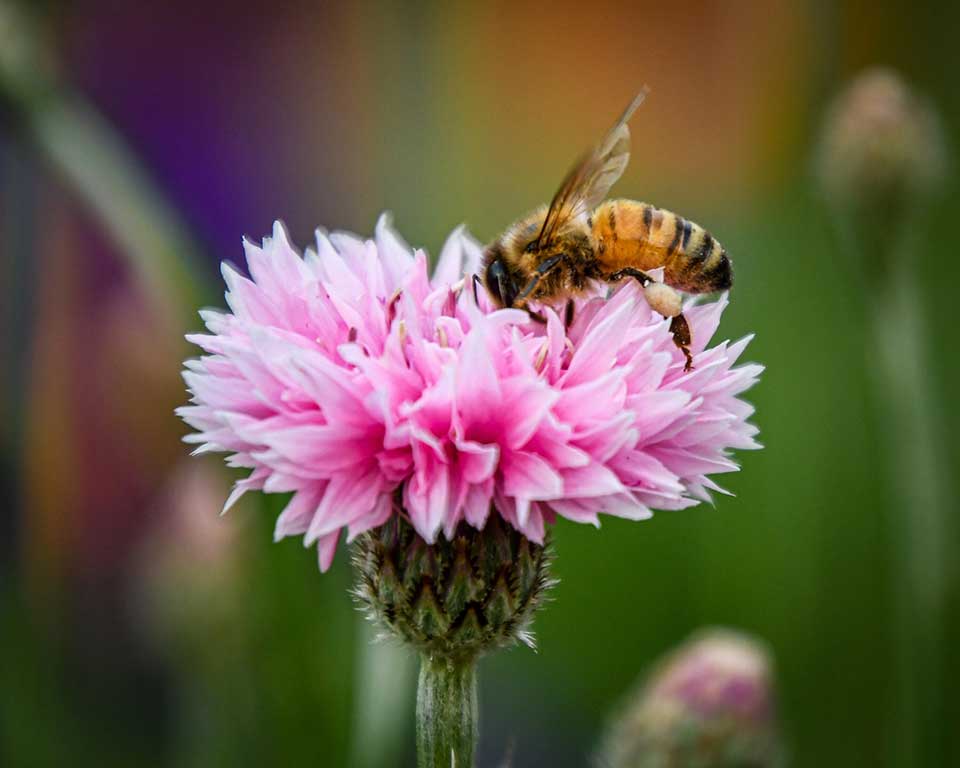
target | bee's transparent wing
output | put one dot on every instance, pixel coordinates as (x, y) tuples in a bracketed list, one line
[(587, 184)]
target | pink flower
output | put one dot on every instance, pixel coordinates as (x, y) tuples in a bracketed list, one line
[(349, 376)]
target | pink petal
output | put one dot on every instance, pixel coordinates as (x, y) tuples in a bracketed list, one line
[(326, 549), (477, 462), (449, 267), (596, 353), (348, 497), (526, 475), (395, 253), (476, 506), (529, 405), (376, 517), (427, 498), (591, 480), (296, 516), (472, 254)]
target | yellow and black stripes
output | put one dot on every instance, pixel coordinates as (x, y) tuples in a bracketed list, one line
[(701, 262), (642, 236)]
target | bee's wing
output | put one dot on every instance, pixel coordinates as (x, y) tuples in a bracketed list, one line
[(588, 182)]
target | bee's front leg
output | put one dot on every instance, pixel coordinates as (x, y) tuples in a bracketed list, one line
[(536, 316), (521, 303), (476, 281), (542, 269)]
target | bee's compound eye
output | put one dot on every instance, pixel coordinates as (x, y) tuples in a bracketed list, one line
[(491, 279), (501, 287), (530, 247)]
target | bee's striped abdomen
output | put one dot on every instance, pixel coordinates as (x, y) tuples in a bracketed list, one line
[(632, 234), (699, 264)]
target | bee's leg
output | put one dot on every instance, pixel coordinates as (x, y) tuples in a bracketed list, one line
[(682, 338), (665, 301), (639, 274), (476, 279), (542, 268), (536, 316), (568, 314)]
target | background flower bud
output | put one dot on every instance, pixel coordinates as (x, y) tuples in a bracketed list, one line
[(709, 703), (882, 145)]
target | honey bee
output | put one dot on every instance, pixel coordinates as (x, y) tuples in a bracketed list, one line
[(554, 253)]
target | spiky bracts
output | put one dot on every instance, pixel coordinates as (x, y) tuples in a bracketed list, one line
[(456, 598)]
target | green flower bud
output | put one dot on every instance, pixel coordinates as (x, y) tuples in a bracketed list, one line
[(881, 153), (708, 704), (453, 599)]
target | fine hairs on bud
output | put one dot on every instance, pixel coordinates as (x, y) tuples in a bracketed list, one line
[(454, 599)]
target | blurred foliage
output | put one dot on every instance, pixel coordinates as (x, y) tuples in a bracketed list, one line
[(445, 112)]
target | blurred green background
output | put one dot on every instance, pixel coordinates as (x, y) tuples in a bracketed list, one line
[(139, 628)]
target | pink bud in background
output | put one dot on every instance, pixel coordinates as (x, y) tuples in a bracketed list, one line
[(710, 703), (882, 146)]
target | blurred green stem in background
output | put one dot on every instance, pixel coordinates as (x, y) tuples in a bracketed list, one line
[(383, 685), (907, 406), (105, 173), (447, 712), (882, 155), (19, 218)]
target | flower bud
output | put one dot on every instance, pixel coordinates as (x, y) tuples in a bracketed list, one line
[(455, 599), (709, 703), (882, 145)]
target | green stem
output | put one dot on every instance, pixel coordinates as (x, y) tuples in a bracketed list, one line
[(919, 524), (446, 713), (385, 673)]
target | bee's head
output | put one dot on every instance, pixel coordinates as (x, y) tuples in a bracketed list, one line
[(497, 279)]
